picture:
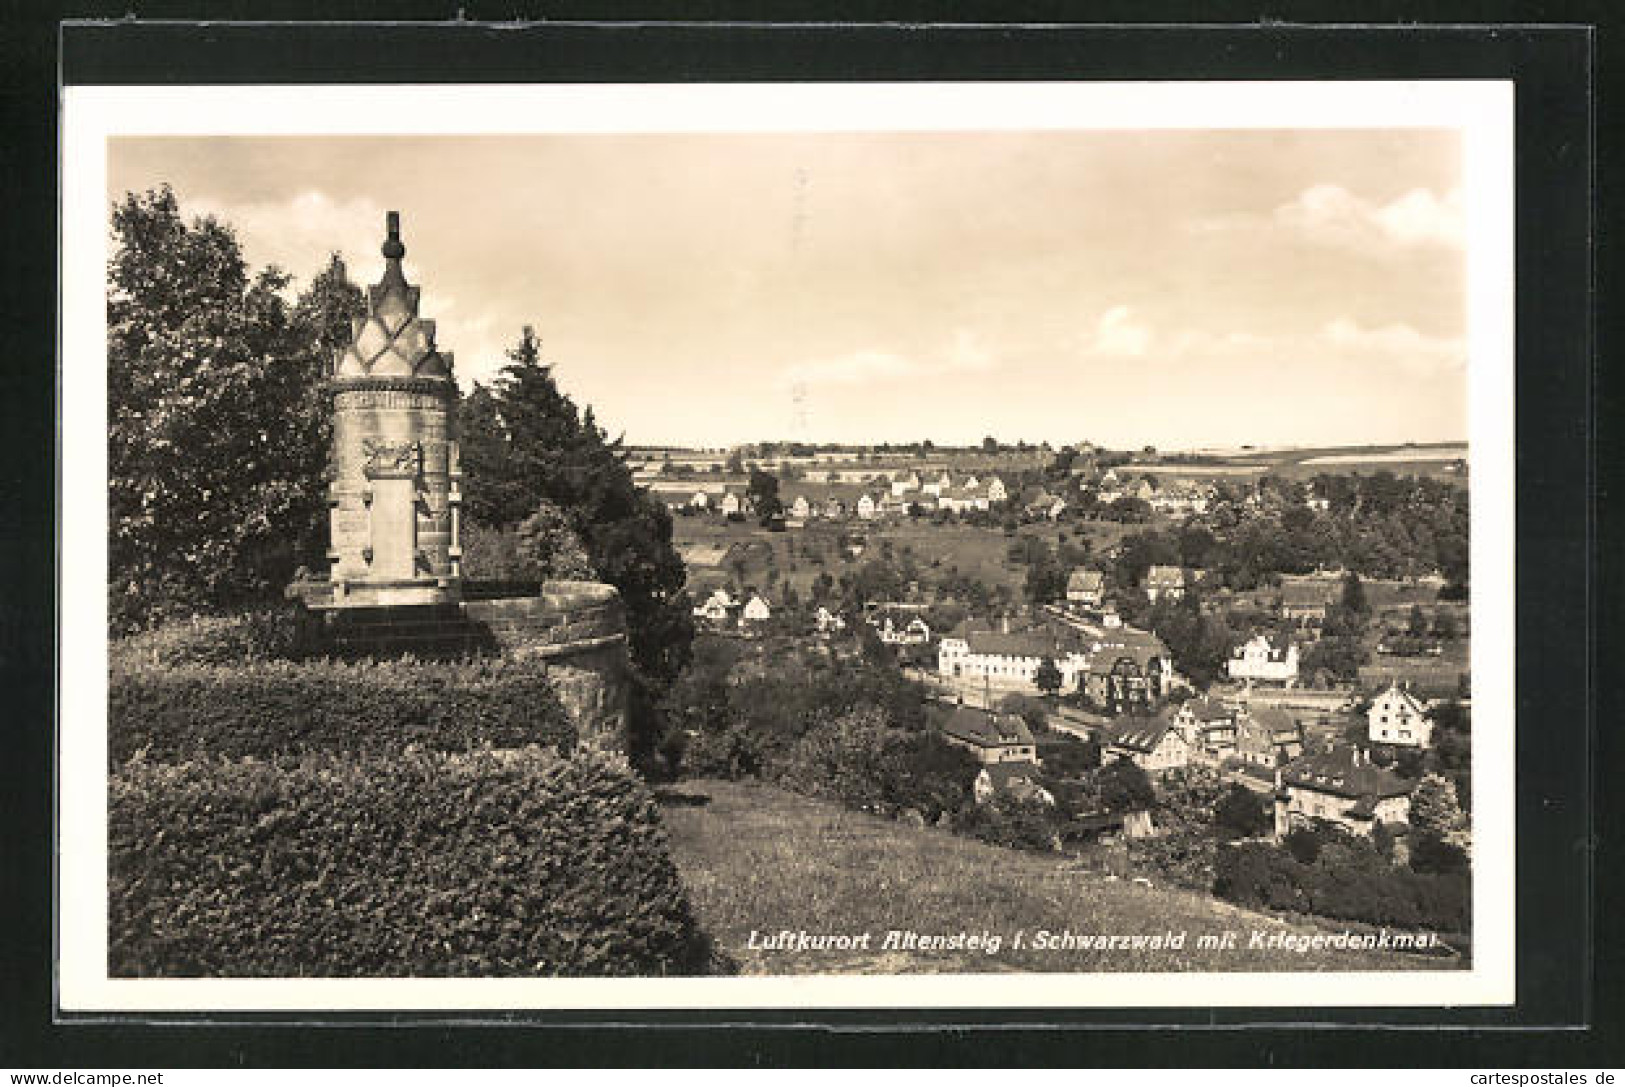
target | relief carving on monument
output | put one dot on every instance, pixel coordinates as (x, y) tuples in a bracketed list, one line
[(391, 460)]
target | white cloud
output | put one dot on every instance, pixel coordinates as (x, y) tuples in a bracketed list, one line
[(298, 233), (1332, 215), (1396, 344), (1117, 333), (965, 354)]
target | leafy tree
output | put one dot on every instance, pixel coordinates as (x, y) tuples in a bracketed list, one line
[(1434, 809), (990, 444), (525, 443), (1432, 854), (1241, 813), (763, 490), (1048, 678), (1417, 626), (1125, 787), (1353, 598), (553, 547), (217, 427)]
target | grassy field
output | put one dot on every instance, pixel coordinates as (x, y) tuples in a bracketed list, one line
[(800, 555), (758, 858)]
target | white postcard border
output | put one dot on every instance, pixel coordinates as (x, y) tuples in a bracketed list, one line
[(1480, 110)]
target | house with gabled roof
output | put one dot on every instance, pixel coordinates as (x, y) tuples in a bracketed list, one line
[(1262, 659), (1164, 581), (1154, 744), (1305, 599), (990, 736), (1086, 586), (1341, 787), (1209, 726), (1400, 718), (1018, 780), (1268, 736)]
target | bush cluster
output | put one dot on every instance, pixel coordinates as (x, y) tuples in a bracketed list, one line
[(246, 637), (495, 863), (1348, 881), (271, 708)]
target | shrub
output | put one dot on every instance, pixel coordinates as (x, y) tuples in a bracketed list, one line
[(281, 708), (512, 863), (234, 639), (1241, 812)]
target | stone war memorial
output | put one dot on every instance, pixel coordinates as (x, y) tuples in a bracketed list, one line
[(394, 583)]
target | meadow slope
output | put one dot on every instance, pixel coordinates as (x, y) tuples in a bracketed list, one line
[(756, 857)]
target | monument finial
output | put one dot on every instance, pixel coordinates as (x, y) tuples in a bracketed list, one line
[(393, 249)]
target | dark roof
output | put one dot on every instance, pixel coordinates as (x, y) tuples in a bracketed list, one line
[(1277, 721), (1085, 580), (1209, 709), (985, 729), (1335, 772), (1001, 774), (1138, 733), (1277, 647), (1024, 644), (1309, 592)]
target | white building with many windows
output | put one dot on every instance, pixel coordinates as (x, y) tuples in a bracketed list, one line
[(1398, 717)]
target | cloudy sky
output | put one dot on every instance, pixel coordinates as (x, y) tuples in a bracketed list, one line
[(1182, 289)]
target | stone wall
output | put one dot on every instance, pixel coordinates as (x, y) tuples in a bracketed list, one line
[(578, 628)]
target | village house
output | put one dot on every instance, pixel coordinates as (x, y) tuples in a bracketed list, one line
[(1209, 727), (999, 655), (1014, 779), (896, 629), (867, 508), (1164, 582), (1085, 586), (1305, 599), (991, 737), (757, 610), (940, 486), (904, 482), (996, 491), (1154, 744), (1342, 787), (1130, 676), (827, 622), (734, 501), (719, 607), (801, 509), (1399, 718), (1268, 737), (1261, 660)]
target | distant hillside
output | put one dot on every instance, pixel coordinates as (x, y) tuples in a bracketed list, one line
[(757, 857)]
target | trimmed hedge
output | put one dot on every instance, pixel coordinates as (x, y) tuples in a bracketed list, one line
[(497, 863), (272, 708), (225, 639)]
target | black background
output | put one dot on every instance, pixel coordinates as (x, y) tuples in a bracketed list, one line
[(1565, 400)]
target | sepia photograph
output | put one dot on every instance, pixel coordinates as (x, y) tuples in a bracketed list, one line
[(1028, 545)]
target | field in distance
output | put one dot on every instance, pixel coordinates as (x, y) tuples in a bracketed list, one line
[(757, 857)]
